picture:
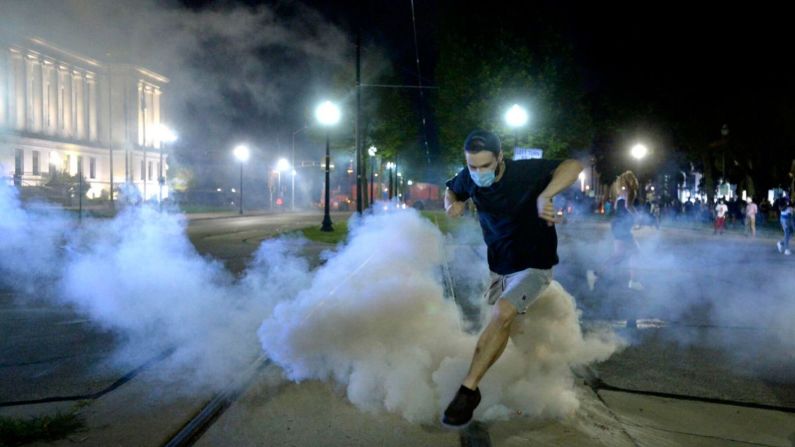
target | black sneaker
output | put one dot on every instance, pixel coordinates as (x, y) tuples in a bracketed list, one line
[(459, 412)]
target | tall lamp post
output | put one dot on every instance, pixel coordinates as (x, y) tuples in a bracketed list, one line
[(639, 152), (241, 153), (327, 114), (166, 136), (372, 151), (516, 117), (282, 165), (724, 131), (391, 167), (292, 187)]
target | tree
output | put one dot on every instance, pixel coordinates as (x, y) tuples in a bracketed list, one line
[(481, 74)]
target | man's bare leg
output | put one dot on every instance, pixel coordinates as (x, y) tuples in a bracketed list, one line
[(491, 343)]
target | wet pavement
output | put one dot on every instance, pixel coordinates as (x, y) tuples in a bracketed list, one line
[(51, 351)]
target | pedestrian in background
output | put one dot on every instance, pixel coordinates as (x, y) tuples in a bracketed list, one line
[(785, 216), (750, 217), (720, 216)]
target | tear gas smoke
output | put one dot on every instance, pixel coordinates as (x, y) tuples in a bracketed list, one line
[(375, 319)]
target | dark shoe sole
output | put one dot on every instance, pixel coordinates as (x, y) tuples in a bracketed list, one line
[(455, 427)]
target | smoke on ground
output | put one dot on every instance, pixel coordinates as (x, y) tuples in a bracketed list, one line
[(376, 320)]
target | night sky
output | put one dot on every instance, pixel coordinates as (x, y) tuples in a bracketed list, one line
[(715, 65), (677, 71)]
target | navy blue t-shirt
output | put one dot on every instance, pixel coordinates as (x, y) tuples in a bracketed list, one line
[(516, 237)]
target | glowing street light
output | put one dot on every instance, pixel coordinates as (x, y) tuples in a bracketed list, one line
[(516, 117), (372, 151), (241, 153), (281, 166), (327, 114), (582, 180), (639, 151)]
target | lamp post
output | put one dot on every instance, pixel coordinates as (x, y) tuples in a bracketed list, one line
[(282, 165), (327, 114), (391, 167), (241, 153), (166, 136), (372, 151), (724, 131), (292, 188), (516, 117)]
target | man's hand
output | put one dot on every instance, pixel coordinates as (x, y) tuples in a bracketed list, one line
[(546, 210), (455, 209)]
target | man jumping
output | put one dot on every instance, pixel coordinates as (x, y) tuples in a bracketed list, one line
[(514, 203)]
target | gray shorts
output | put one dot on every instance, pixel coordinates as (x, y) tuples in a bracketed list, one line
[(520, 289)]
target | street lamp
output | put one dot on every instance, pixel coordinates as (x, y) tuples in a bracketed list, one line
[(292, 187), (372, 151), (281, 165), (391, 167), (639, 151), (241, 153), (166, 136), (724, 131), (327, 114), (516, 117)]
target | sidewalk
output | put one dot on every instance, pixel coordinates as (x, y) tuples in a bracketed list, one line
[(314, 413)]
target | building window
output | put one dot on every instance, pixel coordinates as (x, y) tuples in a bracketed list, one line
[(19, 162), (149, 177), (80, 165), (143, 170), (36, 163), (67, 164), (92, 167)]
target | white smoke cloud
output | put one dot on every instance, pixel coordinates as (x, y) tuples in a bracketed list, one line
[(28, 253), (375, 319)]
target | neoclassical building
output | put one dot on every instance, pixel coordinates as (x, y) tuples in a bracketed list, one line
[(61, 111)]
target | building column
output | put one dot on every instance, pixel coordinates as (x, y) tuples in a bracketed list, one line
[(80, 105), (156, 111), (50, 89), (92, 107), (65, 101), (4, 88), (17, 93), (33, 85)]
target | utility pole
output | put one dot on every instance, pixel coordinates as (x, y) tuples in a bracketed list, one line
[(359, 161)]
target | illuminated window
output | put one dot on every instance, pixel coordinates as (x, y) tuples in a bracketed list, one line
[(67, 164)]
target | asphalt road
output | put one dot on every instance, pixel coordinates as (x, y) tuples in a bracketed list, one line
[(702, 341)]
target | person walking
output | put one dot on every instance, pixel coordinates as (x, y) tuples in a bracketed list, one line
[(514, 202), (785, 217), (750, 217), (720, 216), (625, 247)]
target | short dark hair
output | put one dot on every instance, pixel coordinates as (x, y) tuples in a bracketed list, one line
[(482, 140)]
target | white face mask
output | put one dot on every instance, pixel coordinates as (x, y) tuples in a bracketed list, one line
[(485, 179)]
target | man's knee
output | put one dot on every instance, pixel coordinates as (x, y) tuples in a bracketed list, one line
[(504, 313)]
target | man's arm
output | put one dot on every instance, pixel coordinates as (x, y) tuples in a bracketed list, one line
[(452, 205), (564, 176)]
